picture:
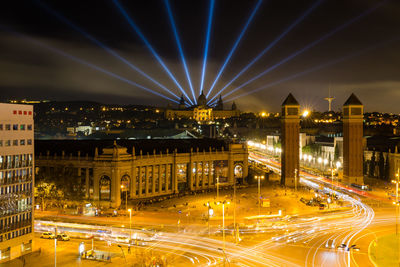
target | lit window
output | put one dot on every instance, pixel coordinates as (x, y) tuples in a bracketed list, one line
[(22, 127), (8, 143), (8, 127), (22, 142)]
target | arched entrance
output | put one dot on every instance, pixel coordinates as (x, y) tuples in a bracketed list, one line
[(105, 188), (125, 188), (238, 173)]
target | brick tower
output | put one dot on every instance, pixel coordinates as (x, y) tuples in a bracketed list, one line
[(290, 141), (353, 141)]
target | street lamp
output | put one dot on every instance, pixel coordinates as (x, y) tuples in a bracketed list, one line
[(126, 196), (223, 219), (259, 177), (130, 224)]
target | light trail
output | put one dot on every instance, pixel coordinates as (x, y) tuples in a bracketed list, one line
[(315, 68), (209, 23), (102, 45), (312, 44), (86, 63), (234, 46), (178, 43), (271, 45), (150, 47)]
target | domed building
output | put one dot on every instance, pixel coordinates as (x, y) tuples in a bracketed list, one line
[(201, 111)]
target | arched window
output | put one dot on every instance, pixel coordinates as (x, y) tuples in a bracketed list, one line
[(105, 188)]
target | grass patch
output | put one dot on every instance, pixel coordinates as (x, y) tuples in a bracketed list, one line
[(385, 252)]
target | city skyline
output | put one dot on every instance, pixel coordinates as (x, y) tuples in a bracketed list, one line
[(334, 51)]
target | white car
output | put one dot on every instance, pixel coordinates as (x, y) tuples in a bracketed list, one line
[(63, 237), (47, 235)]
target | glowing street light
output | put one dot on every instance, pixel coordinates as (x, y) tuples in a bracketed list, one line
[(305, 113), (259, 177)]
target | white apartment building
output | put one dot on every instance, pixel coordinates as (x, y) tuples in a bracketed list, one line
[(16, 180)]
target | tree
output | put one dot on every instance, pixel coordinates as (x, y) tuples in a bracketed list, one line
[(381, 165), (372, 165)]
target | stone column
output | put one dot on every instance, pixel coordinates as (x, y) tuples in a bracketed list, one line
[(190, 175), (153, 182), (166, 177), (133, 182), (197, 175), (116, 192), (140, 181), (87, 185), (209, 174), (147, 181), (203, 180), (96, 185), (159, 180)]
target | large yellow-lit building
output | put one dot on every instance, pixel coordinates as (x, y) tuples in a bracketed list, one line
[(202, 112), (16, 181)]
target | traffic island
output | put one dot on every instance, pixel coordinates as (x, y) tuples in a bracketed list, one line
[(384, 251)]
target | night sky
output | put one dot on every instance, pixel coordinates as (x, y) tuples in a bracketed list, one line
[(369, 47)]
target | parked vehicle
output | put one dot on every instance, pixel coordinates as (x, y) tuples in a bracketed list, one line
[(47, 235)]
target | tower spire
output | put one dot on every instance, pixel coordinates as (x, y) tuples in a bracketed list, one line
[(329, 99)]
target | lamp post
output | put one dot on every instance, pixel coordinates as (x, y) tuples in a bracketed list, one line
[(126, 196), (130, 224), (259, 177), (223, 219)]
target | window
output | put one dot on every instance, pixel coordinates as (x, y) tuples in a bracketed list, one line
[(29, 142), (22, 127), (15, 143), (8, 127), (15, 127), (22, 142), (29, 127), (1, 143), (1, 127), (8, 143)]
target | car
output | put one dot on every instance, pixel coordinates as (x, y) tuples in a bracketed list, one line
[(342, 247), (63, 237), (47, 235)]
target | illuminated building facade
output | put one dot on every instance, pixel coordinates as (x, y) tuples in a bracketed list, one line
[(16, 180), (202, 112), (114, 172)]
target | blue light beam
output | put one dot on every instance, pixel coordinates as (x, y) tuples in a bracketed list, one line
[(271, 45), (234, 46), (298, 52), (316, 68), (100, 44), (209, 23), (155, 54), (178, 43), (83, 62)]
